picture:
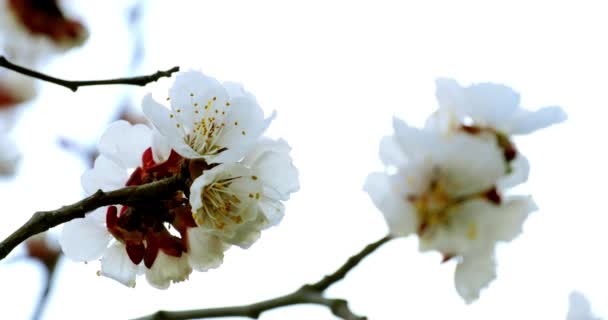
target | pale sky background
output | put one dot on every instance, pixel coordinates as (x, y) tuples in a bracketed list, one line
[(337, 72)]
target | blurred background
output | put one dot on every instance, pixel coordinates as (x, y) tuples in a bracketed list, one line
[(336, 72)]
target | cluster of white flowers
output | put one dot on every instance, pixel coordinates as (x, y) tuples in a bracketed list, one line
[(449, 181), (237, 180)]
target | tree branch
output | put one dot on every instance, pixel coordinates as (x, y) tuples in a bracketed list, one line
[(44, 220), (74, 85), (307, 294)]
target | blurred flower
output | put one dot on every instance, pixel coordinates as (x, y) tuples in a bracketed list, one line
[(446, 183), (44, 249), (579, 307), (9, 156), (493, 106), (208, 120), (42, 20), (15, 89)]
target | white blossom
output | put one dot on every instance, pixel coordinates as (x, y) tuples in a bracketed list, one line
[(489, 105), (448, 190), (208, 120), (236, 201)]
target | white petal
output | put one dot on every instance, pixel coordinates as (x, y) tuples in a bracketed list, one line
[(399, 214), (579, 307), (451, 97), (511, 216), (85, 239), (474, 273), (414, 142), (105, 175), (124, 143), (526, 122), (391, 153), (164, 122), (167, 269), (161, 149), (276, 171), (117, 265), (245, 123), (248, 233), (236, 90), (478, 224), (205, 251), (491, 104), (272, 208), (468, 165), (193, 89), (520, 169)]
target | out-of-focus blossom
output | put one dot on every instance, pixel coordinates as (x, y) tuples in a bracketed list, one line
[(579, 307), (9, 156), (41, 22), (447, 181)]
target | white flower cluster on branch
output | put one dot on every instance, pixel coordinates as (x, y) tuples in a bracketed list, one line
[(449, 182), (235, 183)]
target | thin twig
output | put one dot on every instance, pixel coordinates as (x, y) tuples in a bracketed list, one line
[(44, 220), (307, 294), (74, 85)]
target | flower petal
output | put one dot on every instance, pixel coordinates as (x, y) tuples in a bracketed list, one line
[(106, 175), (491, 104), (117, 265), (399, 214), (191, 91), (526, 122), (205, 251), (468, 165), (84, 239), (167, 269), (165, 122), (124, 143), (520, 169), (276, 171), (245, 123), (474, 273)]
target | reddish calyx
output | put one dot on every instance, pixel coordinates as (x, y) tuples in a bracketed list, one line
[(144, 229)]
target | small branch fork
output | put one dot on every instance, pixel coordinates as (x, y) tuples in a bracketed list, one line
[(307, 294), (74, 85)]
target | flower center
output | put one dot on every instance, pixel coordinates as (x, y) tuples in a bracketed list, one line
[(432, 207), (221, 204)]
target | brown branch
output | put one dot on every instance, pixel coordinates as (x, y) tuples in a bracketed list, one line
[(307, 294), (74, 85), (44, 220)]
